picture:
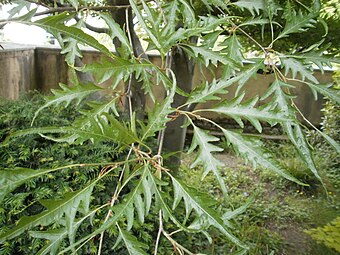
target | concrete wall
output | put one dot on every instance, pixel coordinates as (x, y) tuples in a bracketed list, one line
[(25, 68)]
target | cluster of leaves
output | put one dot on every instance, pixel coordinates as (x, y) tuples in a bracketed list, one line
[(329, 234), (140, 185)]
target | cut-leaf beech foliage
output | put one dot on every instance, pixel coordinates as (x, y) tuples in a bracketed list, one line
[(139, 185)]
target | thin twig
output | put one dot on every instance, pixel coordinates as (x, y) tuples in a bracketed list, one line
[(303, 116), (38, 3), (279, 74), (81, 8), (179, 248), (93, 28), (161, 134), (127, 22), (113, 200), (251, 38), (160, 142), (160, 230), (162, 11), (71, 9)]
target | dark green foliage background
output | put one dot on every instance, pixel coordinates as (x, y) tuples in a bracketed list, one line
[(33, 151)]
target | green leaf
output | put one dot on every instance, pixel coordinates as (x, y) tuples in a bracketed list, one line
[(104, 128), (330, 141), (74, 3), (206, 24), (116, 31), (249, 72), (315, 54), (233, 50), (52, 23), (296, 67), (70, 47), (133, 246), (161, 198), (208, 56), (229, 215), (210, 39), (20, 4), (253, 150), (248, 110), (208, 92), (31, 131), (291, 128), (119, 69), (55, 237), (68, 94), (326, 90), (126, 207), (203, 140), (251, 5), (148, 30), (171, 17), (158, 118), (10, 179), (101, 129), (255, 21), (189, 16), (297, 22), (56, 209), (298, 138), (97, 109), (219, 3), (202, 206), (123, 133)]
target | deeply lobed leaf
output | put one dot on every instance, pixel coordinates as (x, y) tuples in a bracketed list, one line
[(203, 141), (67, 94), (252, 150)]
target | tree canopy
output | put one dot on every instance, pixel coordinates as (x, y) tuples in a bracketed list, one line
[(207, 34)]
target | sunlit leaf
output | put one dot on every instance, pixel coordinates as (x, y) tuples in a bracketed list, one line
[(252, 150), (248, 110), (204, 142), (201, 205), (292, 128)]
